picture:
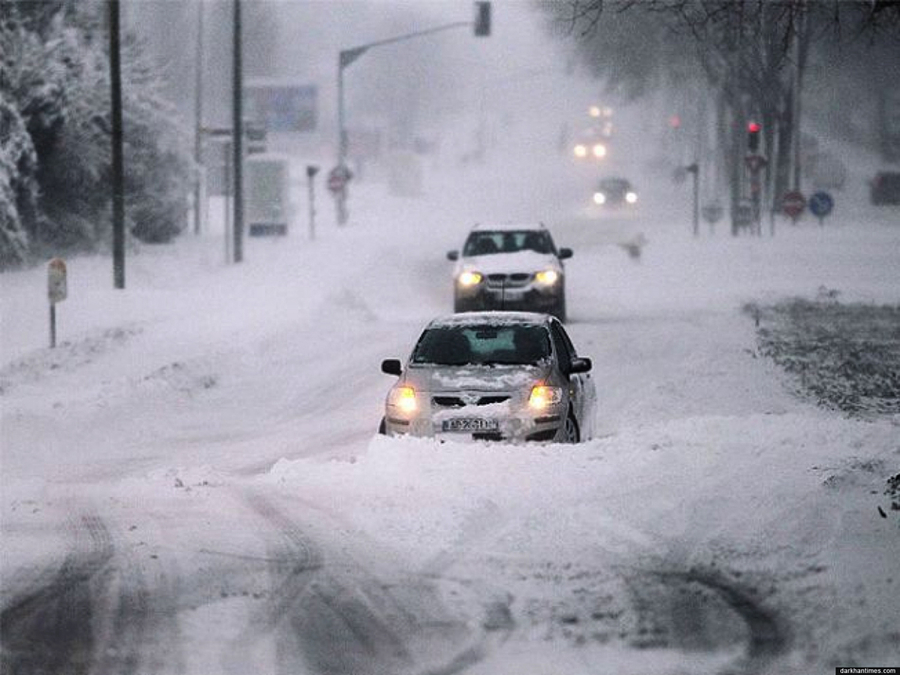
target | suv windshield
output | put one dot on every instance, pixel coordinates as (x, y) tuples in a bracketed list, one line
[(486, 242), (483, 345), (615, 185)]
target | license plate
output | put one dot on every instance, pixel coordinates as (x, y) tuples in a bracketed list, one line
[(470, 424)]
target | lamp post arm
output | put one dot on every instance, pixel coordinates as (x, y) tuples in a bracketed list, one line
[(348, 56)]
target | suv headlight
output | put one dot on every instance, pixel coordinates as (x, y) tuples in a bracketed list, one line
[(599, 198), (404, 399), (631, 197), (469, 278), (547, 277)]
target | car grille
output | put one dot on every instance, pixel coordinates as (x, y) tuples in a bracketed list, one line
[(457, 402), (516, 280)]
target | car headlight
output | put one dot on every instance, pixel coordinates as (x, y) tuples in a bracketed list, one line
[(599, 198), (599, 150), (404, 399), (542, 396), (580, 151), (469, 278), (631, 197), (547, 277)]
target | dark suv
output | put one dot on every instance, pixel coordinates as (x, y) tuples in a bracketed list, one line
[(885, 187)]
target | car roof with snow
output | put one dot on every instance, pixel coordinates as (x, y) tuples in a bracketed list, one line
[(489, 318), (502, 227)]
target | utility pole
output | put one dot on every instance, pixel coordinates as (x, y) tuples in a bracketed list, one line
[(237, 138), (118, 165), (198, 118), (799, 27)]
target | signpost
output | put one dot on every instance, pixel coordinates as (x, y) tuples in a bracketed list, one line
[(338, 178), (821, 204), (755, 164), (56, 292), (311, 171), (793, 204)]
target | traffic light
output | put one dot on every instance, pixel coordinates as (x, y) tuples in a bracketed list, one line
[(753, 129), (482, 19)]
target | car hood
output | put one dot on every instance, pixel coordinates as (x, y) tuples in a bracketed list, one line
[(498, 378), (510, 263)]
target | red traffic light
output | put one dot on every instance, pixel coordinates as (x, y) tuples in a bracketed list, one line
[(753, 129)]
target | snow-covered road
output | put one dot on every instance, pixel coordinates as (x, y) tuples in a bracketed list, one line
[(192, 482)]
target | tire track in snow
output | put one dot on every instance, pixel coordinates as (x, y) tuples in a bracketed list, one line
[(94, 614), (701, 609), (333, 615)]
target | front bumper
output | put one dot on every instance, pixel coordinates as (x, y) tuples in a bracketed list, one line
[(508, 421), (484, 298)]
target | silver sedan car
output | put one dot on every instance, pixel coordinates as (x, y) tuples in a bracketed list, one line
[(495, 376)]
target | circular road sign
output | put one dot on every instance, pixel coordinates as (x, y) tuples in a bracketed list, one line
[(821, 204), (337, 178), (793, 204)]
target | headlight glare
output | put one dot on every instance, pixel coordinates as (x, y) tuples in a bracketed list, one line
[(543, 396), (580, 151), (631, 197), (403, 398), (599, 150), (547, 277), (599, 198), (469, 278)]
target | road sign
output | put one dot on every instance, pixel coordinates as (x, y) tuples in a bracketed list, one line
[(56, 291), (755, 162), (793, 204), (821, 204), (56, 280), (712, 213), (338, 178)]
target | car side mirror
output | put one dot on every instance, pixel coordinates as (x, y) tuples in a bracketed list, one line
[(565, 253), (392, 367), (452, 255), (580, 364)]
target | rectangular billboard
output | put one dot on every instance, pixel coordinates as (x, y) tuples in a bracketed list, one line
[(281, 107)]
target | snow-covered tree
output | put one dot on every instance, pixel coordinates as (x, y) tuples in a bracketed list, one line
[(18, 187), (56, 78)]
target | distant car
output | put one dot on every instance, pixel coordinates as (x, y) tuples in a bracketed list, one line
[(510, 267), (496, 376), (592, 143), (885, 188), (615, 192)]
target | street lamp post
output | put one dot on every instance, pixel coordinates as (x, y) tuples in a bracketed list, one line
[(482, 26)]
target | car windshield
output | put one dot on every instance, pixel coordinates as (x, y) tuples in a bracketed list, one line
[(488, 242), (483, 345)]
